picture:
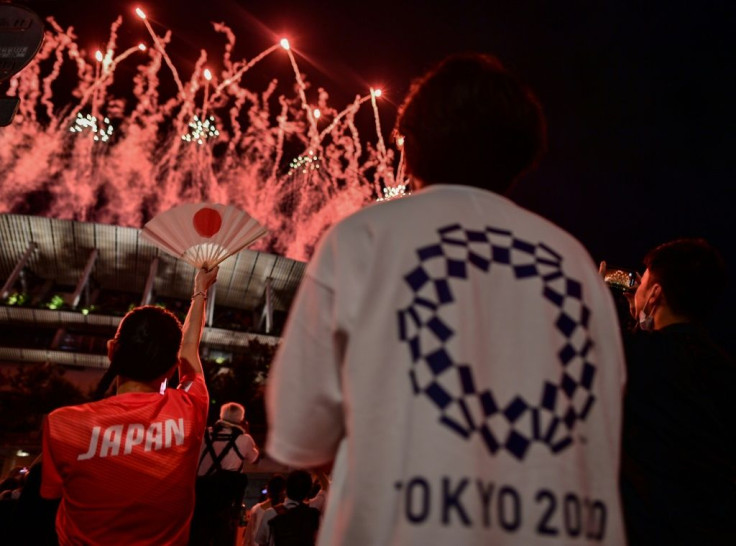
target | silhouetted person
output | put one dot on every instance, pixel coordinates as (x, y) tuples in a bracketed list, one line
[(455, 355), (679, 443), (124, 467), (221, 480), (33, 522), (276, 490), (294, 522)]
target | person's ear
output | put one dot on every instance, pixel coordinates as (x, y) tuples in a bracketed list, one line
[(655, 298), (657, 295), (110, 348)]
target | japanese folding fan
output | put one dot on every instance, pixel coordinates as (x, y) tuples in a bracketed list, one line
[(202, 234)]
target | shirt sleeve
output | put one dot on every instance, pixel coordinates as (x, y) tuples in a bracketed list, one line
[(250, 529), (192, 391), (194, 385), (51, 484), (304, 398), (247, 447), (195, 388), (263, 533)]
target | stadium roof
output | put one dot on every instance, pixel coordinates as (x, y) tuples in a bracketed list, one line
[(123, 261)]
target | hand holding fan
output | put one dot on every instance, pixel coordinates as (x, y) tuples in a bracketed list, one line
[(202, 234)]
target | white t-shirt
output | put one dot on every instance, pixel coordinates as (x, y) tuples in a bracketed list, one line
[(459, 358), (254, 521)]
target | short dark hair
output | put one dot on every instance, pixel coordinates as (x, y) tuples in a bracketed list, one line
[(275, 487), (146, 346), (469, 121), (298, 485), (683, 267)]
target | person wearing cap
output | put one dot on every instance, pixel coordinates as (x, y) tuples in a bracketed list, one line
[(124, 467), (221, 480)]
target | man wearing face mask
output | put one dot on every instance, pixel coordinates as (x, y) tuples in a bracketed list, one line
[(678, 468)]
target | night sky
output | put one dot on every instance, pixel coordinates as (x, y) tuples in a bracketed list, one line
[(638, 95)]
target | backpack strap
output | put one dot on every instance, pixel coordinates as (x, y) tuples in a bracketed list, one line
[(208, 449), (296, 526), (210, 439), (234, 446)]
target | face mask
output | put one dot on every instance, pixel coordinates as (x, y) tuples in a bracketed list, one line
[(646, 320)]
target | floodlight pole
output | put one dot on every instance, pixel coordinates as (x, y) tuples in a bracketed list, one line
[(5, 291), (267, 313), (84, 279), (74, 298), (148, 290), (210, 305)]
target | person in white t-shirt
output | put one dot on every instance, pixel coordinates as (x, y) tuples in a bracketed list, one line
[(456, 356), (276, 489), (302, 520)]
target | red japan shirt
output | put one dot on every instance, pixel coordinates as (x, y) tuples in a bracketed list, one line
[(125, 467)]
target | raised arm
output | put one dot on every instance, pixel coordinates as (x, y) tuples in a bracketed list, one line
[(189, 362)]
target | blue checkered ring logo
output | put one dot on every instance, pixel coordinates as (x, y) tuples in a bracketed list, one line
[(466, 407)]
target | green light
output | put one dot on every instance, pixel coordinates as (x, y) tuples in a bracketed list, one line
[(56, 302), (85, 311), (220, 359)]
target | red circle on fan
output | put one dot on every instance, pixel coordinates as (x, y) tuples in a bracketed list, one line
[(207, 222)]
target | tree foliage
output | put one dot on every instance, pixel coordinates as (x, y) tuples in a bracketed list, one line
[(241, 380), (31, 392)]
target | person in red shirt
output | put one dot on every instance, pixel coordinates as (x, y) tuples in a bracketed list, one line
[(124, 467)]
